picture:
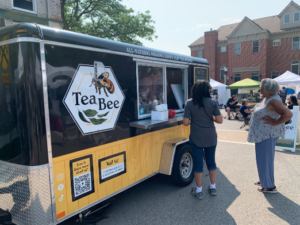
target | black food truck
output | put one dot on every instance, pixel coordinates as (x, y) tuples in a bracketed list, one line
[(76, 124)]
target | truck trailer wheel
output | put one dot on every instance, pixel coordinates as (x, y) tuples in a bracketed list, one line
[(183, 166)]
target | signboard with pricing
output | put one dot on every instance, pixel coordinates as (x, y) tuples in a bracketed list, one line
[(200, 73), (289, 141)]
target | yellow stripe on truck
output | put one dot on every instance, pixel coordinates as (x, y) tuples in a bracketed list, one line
[(141, 156)]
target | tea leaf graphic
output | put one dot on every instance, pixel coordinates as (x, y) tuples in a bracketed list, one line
[(101, 115), (82, 117), (90, 112), (97, 121)]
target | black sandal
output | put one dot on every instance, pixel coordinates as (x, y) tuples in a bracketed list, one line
[(268, 190)]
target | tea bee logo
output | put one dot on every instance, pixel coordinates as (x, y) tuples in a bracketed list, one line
[(102, 80), (94, 98)]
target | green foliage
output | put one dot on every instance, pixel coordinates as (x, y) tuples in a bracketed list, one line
[(107, 19), (81, 116), (97, 121), (101, 115), (90, 112)]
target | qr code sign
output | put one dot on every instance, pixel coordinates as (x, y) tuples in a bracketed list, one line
[(82, 184)]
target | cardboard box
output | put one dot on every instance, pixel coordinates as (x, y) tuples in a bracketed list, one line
[(159, 115)]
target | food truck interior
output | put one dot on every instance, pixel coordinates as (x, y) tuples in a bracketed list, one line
[(76, 125), (160, 85)]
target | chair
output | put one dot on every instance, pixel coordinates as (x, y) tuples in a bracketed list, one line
[(246, 122), (232, 113)]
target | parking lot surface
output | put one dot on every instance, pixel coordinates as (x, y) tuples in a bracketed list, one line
[(158, 201)]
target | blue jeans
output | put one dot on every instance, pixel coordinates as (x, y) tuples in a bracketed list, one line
[(198, 157)]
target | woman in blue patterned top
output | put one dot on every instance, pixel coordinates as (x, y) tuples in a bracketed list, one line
[(266, 126)]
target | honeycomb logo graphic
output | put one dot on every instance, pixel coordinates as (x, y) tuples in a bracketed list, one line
[(94, 98)]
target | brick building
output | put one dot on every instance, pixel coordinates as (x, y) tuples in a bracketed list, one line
[(256, 49), (45, 12)]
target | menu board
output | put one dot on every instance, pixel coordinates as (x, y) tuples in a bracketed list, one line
[(290, 137), (200, 73), (82, 180), (112, 166)]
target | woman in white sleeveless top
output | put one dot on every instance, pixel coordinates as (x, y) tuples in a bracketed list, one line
[(267, 124)]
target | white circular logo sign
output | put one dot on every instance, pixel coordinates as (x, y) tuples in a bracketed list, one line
[(60, 187), (94, 98)]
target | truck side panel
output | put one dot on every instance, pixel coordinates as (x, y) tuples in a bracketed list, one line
[(22, 124), (143, 154)]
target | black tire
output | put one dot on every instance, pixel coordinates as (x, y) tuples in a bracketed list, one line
[(176, 175)]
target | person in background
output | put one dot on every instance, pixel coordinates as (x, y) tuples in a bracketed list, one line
[(267, 124), (201, 112), (292, 101), (298, 96), (232, 105), (251, 94), (245, 110), (283, 94)]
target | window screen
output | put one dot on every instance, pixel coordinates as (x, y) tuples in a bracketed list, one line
[(296, 43), (255, 46), (255, 76), (287, 18), (200, 54), (274, 74), (277, 42), (222, 73), (296, 16), (237, 48), (295, 67), (237, 77), (223, 49), (24, 4)]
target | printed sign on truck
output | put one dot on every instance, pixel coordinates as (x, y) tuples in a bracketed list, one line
[(82, 180), (94, 98)]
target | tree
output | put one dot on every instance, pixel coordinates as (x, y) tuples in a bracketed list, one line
[(107, 19)]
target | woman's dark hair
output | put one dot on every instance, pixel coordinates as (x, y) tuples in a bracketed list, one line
[(199, 91), (294, 100)]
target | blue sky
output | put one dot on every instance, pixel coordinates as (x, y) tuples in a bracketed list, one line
[(179, 23)]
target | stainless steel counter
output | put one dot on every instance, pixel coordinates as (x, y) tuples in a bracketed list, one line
[(148, 123)]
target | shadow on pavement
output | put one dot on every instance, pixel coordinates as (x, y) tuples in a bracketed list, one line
[(158, 201), (284, 208), (297, 153)]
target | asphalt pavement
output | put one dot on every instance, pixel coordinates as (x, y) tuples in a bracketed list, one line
[(158, 201)]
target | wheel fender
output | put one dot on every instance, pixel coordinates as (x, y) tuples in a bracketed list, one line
[(168, 154)]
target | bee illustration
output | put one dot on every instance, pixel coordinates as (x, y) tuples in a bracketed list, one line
[(102, 81)]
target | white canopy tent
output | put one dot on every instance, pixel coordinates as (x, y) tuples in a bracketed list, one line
[(223, 93), (289, 79)]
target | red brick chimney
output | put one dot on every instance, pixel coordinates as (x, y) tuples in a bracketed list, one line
[(210, 51)]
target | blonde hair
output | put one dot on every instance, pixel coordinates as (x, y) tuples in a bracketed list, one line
[(244, 101)]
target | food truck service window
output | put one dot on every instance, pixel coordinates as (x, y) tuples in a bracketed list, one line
[(151, 88), (160, 84)]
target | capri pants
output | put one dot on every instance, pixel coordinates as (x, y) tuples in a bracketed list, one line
[(198, 157)]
